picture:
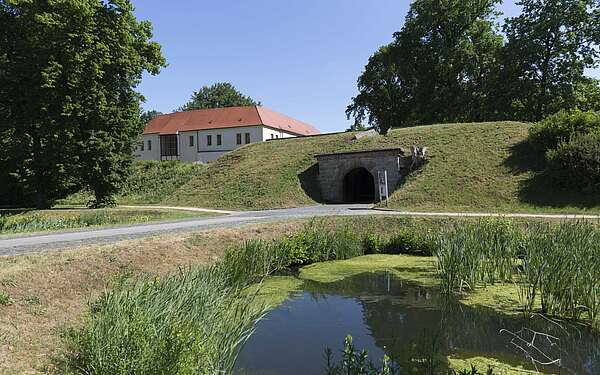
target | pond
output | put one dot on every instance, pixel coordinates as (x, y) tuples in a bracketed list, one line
[(384, 314)]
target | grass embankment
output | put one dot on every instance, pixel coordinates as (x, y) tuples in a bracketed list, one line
[(149, 182), (15, 221), (472, 167)]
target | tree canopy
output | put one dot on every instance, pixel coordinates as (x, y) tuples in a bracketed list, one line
[(219, 95), (69, 112), (451, 63)]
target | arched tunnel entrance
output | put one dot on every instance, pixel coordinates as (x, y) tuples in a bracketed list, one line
[(359, 186)]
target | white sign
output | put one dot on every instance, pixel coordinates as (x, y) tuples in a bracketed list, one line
[(382, 180)]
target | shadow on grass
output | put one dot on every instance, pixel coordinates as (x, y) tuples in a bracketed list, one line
[(544, 188), (309, 181)]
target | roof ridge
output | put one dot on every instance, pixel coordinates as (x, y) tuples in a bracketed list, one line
[(262, 122)]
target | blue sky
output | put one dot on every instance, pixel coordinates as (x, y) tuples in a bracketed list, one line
[(301, 58)]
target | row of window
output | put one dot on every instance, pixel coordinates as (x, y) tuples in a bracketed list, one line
[(209, 139)]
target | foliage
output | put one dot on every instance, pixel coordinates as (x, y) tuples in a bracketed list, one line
[(556, 265), (435, 70), (219, 95), (576, 164), (561, 127), (561, 267), (472, 254), (407, 241), (549, 46), (69, 109), (148, 182), (193, 322), (449, 63), (354, 362)]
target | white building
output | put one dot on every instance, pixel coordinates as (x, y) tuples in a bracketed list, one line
[(206, 134)]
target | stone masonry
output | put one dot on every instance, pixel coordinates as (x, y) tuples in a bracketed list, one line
[(334, 167)]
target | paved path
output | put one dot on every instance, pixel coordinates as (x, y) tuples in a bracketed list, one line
[(17, 245)]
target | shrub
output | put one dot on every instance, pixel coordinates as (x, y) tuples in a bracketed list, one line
[(562, 127), (576, 164), (409, 242), (372, 243)]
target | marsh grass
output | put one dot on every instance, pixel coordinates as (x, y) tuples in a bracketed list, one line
[(555, 265), (192, 322), (561, 267), (479, 253)]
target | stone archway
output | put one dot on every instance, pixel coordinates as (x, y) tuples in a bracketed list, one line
[(359, 186)]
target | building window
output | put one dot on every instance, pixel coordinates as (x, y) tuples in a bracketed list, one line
[(238, 138), (149, 145), (209, 140), (141, 146), (247, 136), (191, 141), (219, 140), (272, 136)]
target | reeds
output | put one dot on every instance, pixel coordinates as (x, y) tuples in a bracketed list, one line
[(557, 266), (561, 268), (193, 322), (472, 254)]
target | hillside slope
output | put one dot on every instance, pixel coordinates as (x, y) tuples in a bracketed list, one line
[(472, 167)]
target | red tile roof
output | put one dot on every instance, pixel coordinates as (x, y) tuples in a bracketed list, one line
[(231, 117)]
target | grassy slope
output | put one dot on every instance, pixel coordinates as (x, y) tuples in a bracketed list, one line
[(472, 167)]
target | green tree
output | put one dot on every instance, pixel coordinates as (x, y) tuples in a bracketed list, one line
[(548, 48), (219, 95), (435, 70), (68, 105)]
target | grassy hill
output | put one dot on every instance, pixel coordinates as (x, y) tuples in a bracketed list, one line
[(472, 167)]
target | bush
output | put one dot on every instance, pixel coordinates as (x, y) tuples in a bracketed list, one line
[(372, 243), (562, 127), (409, 242), (576, 164)]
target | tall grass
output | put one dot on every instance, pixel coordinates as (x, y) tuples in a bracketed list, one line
[(561, 267), (472, 254), (557, 266), (193, 322)]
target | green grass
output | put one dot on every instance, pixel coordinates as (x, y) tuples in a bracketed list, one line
[(472, 167), (14, 221), (148, 183)]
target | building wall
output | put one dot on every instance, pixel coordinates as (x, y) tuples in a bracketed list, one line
[(270, 133), (200, 151), (152, 153)]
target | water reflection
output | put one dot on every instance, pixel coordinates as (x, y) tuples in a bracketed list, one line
[(406, 321)]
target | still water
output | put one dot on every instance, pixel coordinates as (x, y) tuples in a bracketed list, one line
[(406, 321)]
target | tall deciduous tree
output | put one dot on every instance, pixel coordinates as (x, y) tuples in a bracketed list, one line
[(549, 47), (435, 70), (68, 105), (219, 95)]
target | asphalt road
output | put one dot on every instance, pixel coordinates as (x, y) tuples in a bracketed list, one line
[(23, 244)]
